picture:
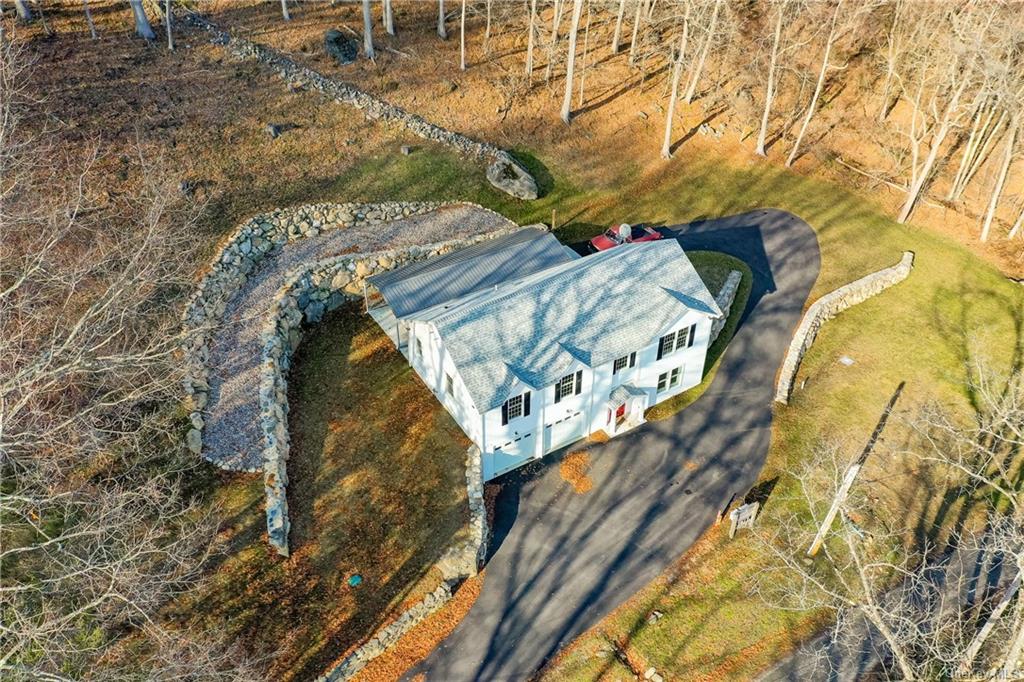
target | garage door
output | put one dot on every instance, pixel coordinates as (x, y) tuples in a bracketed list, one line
[(509, 456), (563, 431)]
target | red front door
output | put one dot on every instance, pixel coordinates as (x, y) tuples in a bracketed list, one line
[(621, 411)]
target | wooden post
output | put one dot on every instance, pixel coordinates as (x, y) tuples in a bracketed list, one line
[(851, 474), (553, 220)]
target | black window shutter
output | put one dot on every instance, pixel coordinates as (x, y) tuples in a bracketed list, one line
[(526, 404), (504, 413), (579, 381), (693, 330), (558, 392), (632, 359), (661, 347)]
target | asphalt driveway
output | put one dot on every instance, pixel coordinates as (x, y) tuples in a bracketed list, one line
[(560, 561)]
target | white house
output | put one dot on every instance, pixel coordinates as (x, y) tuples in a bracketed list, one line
[(531, 347)]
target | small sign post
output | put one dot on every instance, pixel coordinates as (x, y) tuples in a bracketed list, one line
[(742, 517)]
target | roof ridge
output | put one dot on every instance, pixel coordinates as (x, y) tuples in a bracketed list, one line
[(516, 286)]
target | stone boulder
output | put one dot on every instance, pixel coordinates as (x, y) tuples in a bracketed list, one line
[(341, 47), (511, 178)]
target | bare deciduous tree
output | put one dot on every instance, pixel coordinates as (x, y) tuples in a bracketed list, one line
[(441, 31), (368, 31), (88, 19), (709, 38), (617, 35), (98, 532), (577, 11), (389, 18), (677, 70), (142, 27)]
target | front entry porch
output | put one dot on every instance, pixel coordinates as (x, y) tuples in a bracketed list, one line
[(625, 406)]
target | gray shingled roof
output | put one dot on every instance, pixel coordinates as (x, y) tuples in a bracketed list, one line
[(594, 309), (620, 394), (433, 281)]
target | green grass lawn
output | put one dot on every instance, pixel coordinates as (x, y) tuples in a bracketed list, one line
[(377, 488)]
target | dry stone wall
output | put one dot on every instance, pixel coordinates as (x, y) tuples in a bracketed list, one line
[(253, 241), (310, 293), (827, 307), (504, 172), (725, 298)]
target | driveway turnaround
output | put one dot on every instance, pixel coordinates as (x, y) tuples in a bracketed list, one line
[(561, 561)]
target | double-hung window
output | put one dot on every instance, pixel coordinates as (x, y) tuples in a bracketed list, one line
[(676, 341), (670, 379), (623, 362), (570, 384), (515, 407)]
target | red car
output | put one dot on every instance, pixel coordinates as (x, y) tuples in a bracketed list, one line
[(623, 234)]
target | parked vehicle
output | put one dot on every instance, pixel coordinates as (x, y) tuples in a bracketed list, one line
[(623, 234)]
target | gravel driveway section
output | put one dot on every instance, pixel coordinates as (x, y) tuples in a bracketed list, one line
[(232, 437)]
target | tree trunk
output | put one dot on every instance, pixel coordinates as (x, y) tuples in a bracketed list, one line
[(462, 38), (24, 13), (487, 29), (981, 150), (440, 20), (284, 10), (690, 91), (142, 27), (677, 71), (636, 32), (921, 176), (1000, 180), (769, 93), (577, 11), (556, 17), (871, 611), (88, 19), (973, 140), (817, 88), (890, 66), (1017, 225), (389, 18), (586, 47), (167, 24), (617, 35), (368, 31), (1012, 661), (530, 39)]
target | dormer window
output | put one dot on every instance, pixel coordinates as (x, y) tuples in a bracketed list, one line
[(623, 362), (515, 407), (570, 384)]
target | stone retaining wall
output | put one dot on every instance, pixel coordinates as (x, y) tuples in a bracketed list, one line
[(504, 171), (248, 245), (310, 293), (827, 307), (725, 298)]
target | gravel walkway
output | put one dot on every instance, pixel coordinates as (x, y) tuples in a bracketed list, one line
[(232, 437)]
